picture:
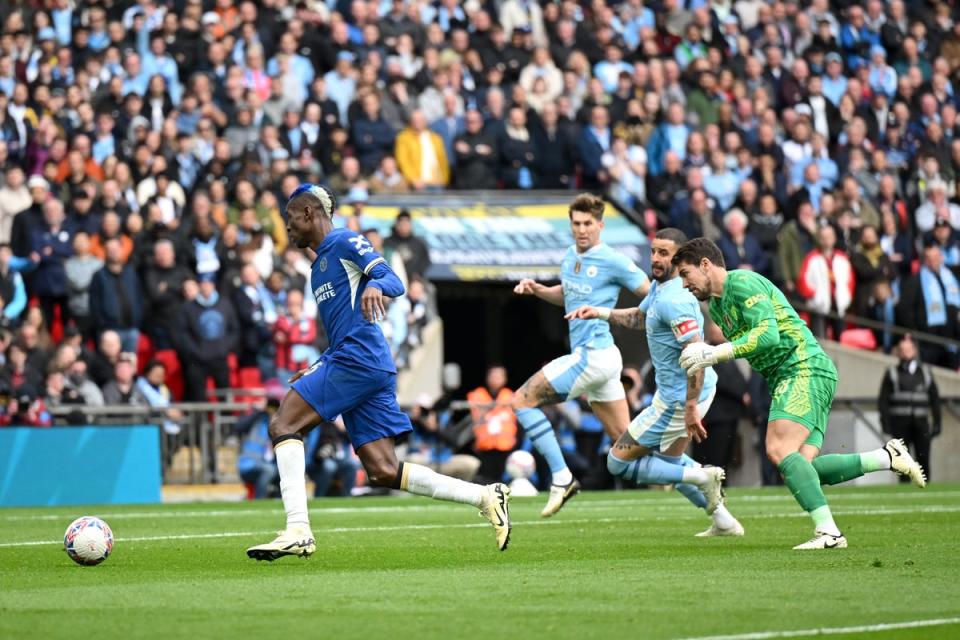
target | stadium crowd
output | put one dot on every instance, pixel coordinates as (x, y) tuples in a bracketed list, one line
[(147, 149)]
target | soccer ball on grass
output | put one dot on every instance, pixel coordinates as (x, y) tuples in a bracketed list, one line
[(88, 540)]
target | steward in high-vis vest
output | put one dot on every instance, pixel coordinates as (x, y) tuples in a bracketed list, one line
[(494, 423), (909, 402)]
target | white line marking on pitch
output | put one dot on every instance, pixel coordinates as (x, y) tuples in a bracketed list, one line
[(655, 503), (417, 527), (833, 631)]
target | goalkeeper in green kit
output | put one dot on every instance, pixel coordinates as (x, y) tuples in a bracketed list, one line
[(763, 328)]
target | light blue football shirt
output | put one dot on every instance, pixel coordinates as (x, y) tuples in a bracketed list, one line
[(673, 319), (595, 277)]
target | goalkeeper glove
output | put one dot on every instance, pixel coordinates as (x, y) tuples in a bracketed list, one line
[(701, 355)]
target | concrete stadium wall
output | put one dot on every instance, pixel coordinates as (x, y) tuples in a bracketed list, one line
[(425, 373)]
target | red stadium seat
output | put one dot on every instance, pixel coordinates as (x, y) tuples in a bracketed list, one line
[(145, 352), (859, 339), (234, 370)]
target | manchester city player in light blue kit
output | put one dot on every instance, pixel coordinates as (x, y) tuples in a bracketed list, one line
[(354, 378), (652, 449), (591, 273)]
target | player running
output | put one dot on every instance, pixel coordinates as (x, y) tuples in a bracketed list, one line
[(356, 378), (590, 273), (763, 328), (652, 449)]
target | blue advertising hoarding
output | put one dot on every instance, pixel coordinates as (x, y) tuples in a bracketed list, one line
[(79, 465)]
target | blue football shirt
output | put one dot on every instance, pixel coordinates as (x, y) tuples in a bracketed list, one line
[(338, 278), (673, 319), (595, 277)]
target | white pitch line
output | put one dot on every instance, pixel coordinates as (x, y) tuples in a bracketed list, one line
[(641, 502), (833, 631), (418, 527)]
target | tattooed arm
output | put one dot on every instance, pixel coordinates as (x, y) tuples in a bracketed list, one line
[(632, 318)]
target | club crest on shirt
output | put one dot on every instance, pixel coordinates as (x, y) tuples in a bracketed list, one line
[(323, 264), (592, 271)]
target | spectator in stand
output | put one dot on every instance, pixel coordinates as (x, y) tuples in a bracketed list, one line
[(930, 302), (255, 313), (935, 207), (387, 178), (421, 155), (103, 361), (116, 299), (50, 246), (594, 141), (163, 285), (476, 155), (411, 248), (739, 247), (256, 463), (152, 386), (123, 390), (945, 237), (450, 125), (16, 371), (797, 240), (331, 459), (431, 446), (14, 198), (80, 269), (871, 268), (555, 143), (27, 408), (294, 338), (207, 333), (372, 136), (518, 155), (827, 283)]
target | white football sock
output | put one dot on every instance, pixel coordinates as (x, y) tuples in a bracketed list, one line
[(875, 460), (695, 475), (723, 518), (422, 481), (823, 520), (292, 464), (562, 478)]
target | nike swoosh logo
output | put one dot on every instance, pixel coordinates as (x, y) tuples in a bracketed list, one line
[(830, 545)]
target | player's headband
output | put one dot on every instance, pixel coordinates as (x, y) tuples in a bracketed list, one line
[(327, 200)]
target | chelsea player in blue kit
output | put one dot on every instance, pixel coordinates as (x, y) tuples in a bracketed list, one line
[(652, 448), (354, 378), (590, 273)]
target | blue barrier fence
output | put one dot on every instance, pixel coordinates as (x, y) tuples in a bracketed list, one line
[(79, 465)]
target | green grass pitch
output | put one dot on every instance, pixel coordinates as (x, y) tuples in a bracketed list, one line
[(610, 565)]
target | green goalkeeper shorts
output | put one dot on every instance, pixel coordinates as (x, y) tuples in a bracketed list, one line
[(805, 395)]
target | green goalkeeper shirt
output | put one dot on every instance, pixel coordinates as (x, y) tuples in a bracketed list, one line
[(764, 328)]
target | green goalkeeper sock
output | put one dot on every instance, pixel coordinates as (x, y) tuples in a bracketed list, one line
[(838, 467), (802, 480)]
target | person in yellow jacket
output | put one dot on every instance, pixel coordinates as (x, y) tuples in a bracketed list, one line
[(421, 155), (494, 423)]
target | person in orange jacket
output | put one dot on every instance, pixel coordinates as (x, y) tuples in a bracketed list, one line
[(494, 423)]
